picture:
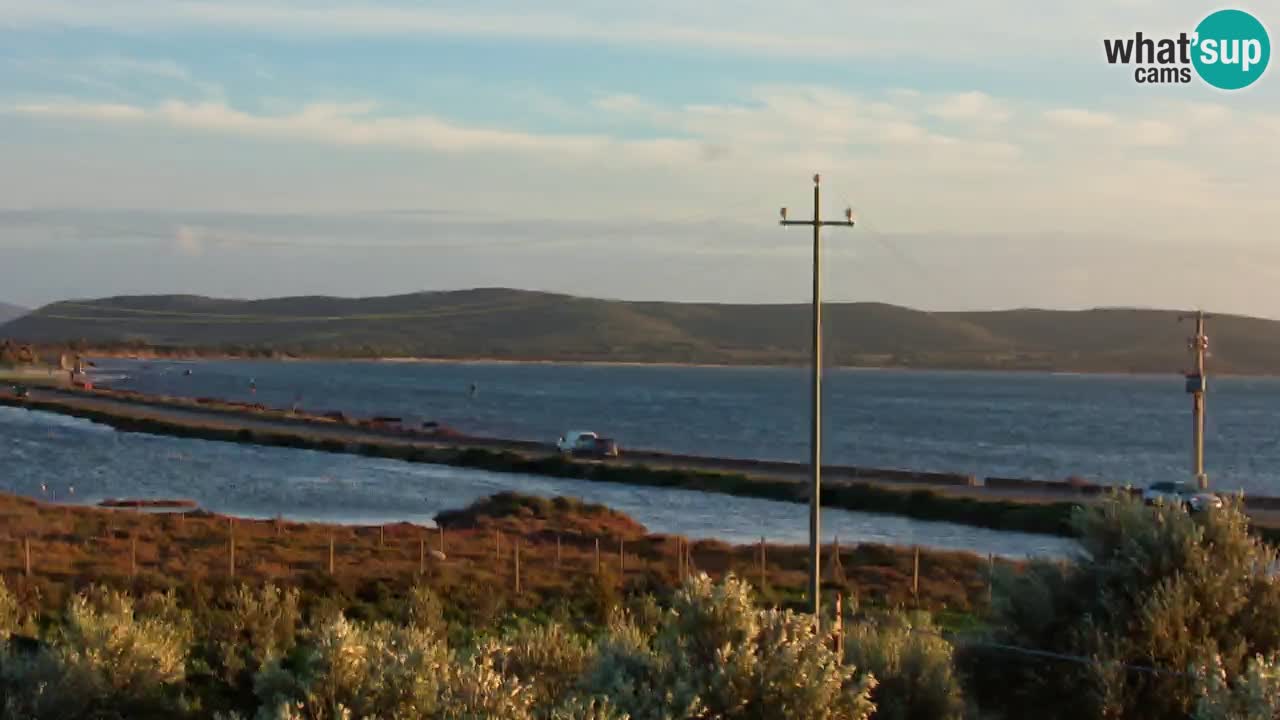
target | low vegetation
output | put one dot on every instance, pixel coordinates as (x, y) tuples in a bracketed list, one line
[(1162, 615), (532, 515)]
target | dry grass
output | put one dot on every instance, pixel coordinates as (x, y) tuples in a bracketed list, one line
[(72, 547)]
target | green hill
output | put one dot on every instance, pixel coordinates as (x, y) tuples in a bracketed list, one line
[(521, 325)]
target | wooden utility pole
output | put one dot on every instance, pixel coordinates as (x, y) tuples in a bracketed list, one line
[(1196, 386), (815, 428)]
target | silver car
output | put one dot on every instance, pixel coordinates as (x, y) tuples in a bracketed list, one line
[(1181, 493)]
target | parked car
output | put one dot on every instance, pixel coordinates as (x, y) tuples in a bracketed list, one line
[(1181, 493), (586, 443)]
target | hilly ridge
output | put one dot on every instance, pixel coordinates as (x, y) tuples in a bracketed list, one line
[(523, 325), (9, 312)]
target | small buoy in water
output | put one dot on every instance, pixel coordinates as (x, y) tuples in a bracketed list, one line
[(186, 372), (474, 389)]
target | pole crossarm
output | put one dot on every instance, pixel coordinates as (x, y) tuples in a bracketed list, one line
[(815, 437)]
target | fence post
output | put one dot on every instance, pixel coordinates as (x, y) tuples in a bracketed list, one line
[(839, 627), (422, 555), (557, 553), (231, 536), (915, 575), (26, 555), (991, 577), (597, 556), (516, 555), (763, 571), (330, 553), (622, 558), (679, 560), (380, 536), (133, 554), (497, 546), (441, 539)]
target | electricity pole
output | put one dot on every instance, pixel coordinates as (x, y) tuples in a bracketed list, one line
[(1196, 386), (815, 428)]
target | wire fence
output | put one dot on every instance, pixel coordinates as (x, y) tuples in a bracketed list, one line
[(98, 544)]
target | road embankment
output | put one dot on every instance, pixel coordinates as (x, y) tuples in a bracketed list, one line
[(998, 503)]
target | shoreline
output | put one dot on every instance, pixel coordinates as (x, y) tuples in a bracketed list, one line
[(922, 496), (419, 360), (1004, 504)]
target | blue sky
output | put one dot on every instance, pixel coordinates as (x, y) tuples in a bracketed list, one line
[(639, 151)]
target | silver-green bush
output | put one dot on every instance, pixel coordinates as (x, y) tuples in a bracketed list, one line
[(1153, 588), (717, 655), (912, 664)]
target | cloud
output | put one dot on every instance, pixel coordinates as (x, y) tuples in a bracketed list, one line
[(872, 29), (1078, 118), (971, 106), (919, 161), (356, 124), (83, 111)]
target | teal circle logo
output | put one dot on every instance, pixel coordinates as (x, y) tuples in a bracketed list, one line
[(1232, 49)]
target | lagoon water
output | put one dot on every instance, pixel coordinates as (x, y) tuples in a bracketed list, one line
[(68, 459), (1115, 429)]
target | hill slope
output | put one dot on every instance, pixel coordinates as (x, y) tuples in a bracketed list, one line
[(513, 324), (10, 312)]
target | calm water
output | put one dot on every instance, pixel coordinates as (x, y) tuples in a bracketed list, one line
[(62, 453), (1117, 429)]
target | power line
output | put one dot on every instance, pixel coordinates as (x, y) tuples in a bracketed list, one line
[(1041, 653)]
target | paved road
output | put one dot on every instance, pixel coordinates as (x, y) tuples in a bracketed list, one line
[(188, 413)]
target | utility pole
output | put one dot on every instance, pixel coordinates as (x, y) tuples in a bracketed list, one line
[(1196, 386), (815, 428)]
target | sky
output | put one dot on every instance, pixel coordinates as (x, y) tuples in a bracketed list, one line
[(991, 156)]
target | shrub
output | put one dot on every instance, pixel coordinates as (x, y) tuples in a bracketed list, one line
[(105, 659), (547, 658), (1254, 695), (256, 627), (374, 670), (10, 612), (1153, 587), (354, 670), (716, 655), (912, 665), (424, 611)]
